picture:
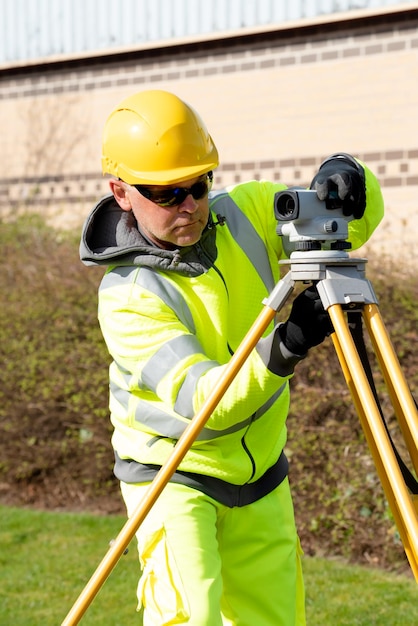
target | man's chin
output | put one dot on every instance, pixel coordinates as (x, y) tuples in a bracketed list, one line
[(187, 236)]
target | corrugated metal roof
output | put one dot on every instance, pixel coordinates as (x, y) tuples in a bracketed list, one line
[(34, 29)]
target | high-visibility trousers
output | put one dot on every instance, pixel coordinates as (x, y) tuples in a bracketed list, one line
[(205, 564)]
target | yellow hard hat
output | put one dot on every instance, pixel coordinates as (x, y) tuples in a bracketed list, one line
[(154, 138)]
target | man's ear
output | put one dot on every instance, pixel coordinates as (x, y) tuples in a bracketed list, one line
[(120, 193)]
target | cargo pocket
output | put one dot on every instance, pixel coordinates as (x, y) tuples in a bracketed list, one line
[(161, 594)]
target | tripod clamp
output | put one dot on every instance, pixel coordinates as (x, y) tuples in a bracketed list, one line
[(340, 279)]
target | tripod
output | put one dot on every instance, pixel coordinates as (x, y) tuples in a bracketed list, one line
[(342, 286)]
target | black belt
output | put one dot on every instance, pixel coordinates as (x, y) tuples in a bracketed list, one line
[(131, 471)]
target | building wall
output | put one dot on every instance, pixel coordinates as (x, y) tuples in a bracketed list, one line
[(35, 29), (276, 101)]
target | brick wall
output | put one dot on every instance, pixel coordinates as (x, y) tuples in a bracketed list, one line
[(276, 103)]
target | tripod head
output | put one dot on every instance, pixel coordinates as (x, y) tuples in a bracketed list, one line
[(308, 223)]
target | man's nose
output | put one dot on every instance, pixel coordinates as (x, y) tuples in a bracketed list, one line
[(189, 204)]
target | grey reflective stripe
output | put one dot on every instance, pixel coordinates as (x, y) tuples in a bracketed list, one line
[(158, 421), (161, 287), (246, 237), (118, 276), (263, 409), (169, 355), (121, 395), (184, 402), (167, 425), (156, 284)]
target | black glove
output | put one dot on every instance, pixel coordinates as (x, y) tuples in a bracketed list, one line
[(308, 323), (340, 181)]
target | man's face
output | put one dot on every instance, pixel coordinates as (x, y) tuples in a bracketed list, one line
[(168, 227)]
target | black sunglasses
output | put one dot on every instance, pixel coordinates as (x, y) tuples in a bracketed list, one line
[(173, 196)]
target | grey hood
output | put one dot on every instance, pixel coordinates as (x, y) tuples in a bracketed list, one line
[(110, 237)]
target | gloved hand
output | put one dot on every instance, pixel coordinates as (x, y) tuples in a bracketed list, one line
[(340, 181), (308, 323)]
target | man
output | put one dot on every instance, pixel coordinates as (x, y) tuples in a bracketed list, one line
[(187, 272)]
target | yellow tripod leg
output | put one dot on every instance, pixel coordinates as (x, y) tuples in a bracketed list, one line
[(396, 492), (400, 395), (167, 470)]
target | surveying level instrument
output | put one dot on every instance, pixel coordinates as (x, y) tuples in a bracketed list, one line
[(319, 241)]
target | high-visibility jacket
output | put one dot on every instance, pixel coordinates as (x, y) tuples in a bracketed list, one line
[(171, 321)]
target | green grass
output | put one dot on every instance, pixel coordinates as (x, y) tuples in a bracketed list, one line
[(343, 595), (46, 559)]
